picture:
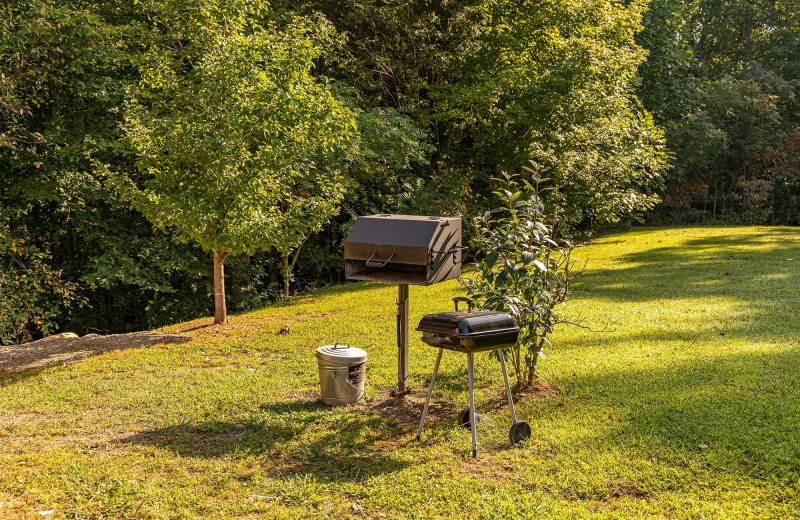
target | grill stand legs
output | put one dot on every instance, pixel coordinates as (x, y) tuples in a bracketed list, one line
[(508, 387), (519, 430), (402, 342), (472, 422), (430, 392)]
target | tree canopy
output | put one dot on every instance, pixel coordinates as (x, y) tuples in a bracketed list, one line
[(667, 111), (231, 130)]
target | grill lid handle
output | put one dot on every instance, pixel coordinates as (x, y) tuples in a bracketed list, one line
[(450, 251), (463, 299), (370, 263)]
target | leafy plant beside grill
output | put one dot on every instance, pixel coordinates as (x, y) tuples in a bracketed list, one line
[(524, 271)]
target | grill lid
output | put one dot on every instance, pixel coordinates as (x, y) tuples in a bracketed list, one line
[(395, 230), (341, 353), (468, 322)]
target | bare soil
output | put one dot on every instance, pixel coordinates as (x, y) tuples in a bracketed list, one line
[(64, 349), (406, 409)]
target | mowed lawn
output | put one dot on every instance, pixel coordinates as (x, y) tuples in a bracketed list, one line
[(683, 401)]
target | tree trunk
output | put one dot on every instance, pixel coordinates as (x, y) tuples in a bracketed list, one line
[(714, 210), (288, 268), (220, 310), (287, 273)]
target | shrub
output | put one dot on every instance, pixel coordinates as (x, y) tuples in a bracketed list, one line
[(32, 295), (523, 270)]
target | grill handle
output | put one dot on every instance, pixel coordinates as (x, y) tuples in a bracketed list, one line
[(451, 251), (462, 299), (370, 263)]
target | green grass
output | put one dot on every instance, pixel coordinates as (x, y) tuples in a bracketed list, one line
[(699, 347)]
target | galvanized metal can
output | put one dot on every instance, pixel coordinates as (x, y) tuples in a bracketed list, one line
[(342, 372)]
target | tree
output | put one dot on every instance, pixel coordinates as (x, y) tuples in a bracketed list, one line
[(64, 68), (555, 81), (230, 128), (721, 78)]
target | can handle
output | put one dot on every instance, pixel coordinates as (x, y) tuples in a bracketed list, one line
[(336, 345), (462, 299)]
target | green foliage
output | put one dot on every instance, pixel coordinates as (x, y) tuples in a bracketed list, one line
[(229, 128), (445, 95), (66, 68), (33, 296), (523, 271), (722, 78), (388, 149), (554, 81), (494, 82), (784, 166)]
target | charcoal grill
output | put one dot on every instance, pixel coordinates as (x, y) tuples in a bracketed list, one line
[(468, 331), (406, 250)]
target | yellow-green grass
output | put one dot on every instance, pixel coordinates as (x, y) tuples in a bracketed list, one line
[(686, 405)]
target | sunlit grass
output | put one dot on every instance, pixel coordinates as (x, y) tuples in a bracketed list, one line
[(684, 405)]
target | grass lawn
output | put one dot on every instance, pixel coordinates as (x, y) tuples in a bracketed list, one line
[(686, 405)]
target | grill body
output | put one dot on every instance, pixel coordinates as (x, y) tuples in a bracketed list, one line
[(469, 331), (409, 249)]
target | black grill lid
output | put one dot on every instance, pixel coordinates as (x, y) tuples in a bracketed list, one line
[(468, 323)]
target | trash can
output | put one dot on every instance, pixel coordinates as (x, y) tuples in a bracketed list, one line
[(341, 373)]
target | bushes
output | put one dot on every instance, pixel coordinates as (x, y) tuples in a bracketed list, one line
[(33, 297), (524, 271)]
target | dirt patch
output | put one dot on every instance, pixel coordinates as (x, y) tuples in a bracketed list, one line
[(486, 468), (245, 326), (9, 422), (237, 327), (536, 389), (626, 490), (62, 349), (8, 505), (406, 409)]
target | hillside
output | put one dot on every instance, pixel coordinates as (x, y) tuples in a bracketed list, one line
[(682, 401)]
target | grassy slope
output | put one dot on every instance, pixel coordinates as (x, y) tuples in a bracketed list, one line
[(700, 348)]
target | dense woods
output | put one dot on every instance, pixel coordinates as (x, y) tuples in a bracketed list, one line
[(660, 111)]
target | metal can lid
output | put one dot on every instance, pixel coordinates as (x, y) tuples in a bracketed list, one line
[(341, 353)]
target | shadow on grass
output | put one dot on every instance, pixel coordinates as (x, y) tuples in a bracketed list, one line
[(295, 438), (738, 413)]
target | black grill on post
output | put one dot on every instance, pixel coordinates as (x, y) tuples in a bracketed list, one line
[(406, 250)]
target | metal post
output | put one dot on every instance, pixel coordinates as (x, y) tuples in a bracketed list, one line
[(508, 387), (402, 341), (472, 421), (430, 392)]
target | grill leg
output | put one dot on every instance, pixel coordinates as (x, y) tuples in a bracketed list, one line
[(508, 387), (430, 392), (472, 421)]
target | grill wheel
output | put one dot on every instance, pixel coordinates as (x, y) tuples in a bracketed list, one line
[(463, 419), (520, 431)]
